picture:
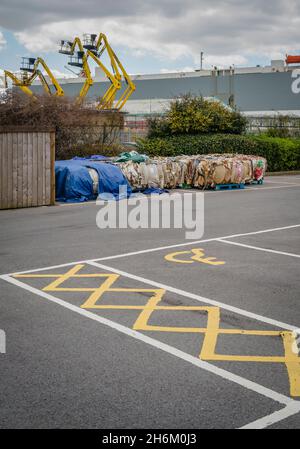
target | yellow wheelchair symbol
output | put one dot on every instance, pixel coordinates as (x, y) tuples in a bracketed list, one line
[(198, 255)]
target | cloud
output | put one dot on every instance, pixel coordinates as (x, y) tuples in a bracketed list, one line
[(2, 81), (2, 41), (227, 31), (223, 61), (59, 74), (220, 61), (35, 12), (183, 69)]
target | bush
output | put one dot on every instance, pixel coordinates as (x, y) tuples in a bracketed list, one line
[(277, 132), (281, 154), (284, 126), (195, 115)]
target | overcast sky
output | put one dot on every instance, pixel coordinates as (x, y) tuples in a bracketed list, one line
[(154, 36)]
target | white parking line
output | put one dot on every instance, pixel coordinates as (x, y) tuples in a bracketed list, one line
[(247, 188), (267, 188), (134, 253), (273, 418), (291, 406), (282, 182), (160, 248), (267, 250)]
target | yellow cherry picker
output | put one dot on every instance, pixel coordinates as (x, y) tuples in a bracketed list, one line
[(96, 46), (78, 57), (30, 70)]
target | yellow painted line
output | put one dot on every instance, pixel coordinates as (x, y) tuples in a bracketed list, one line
[(211, 336), (144, 316), (250, 332), (133, 290), (211, 332), (90, 303), (243, 358), (63, 278), (69, 289), (291, 406), (119, 306), (292, 363)]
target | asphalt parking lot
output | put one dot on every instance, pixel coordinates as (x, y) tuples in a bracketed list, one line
[(124, 328)]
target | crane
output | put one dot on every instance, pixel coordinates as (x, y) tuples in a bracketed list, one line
[(30, 70), (79, 58), (95, 48)]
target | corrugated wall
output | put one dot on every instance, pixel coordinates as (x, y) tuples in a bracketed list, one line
[(252, 91), (27, 176)]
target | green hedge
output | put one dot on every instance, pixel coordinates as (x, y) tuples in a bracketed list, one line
[(281, 154)]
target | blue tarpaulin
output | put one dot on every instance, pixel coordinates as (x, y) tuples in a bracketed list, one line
[(94, 157), (74, 183)]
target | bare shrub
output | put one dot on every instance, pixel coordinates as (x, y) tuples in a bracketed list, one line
[(79, 129)]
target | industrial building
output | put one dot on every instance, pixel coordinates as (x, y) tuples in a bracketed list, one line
[(261, 90)]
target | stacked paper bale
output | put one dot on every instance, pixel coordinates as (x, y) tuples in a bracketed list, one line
[(201, 171)]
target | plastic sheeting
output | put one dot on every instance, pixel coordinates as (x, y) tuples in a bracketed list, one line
[(133, 156), (201, 171), (75, 180)]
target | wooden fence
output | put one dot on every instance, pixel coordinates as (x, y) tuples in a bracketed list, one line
[(27, 176)]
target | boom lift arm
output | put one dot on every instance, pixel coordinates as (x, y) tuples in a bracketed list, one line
[(129, 89), (58, 90), (31, 66), (81, 60), (97, 46), (16, 82), (108, 98)]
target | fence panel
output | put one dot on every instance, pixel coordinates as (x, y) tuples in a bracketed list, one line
[(27, 175)]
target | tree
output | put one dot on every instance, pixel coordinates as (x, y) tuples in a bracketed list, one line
[(190, 114)]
